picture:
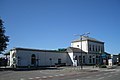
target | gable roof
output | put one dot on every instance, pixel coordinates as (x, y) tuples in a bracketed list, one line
[(84, 38)]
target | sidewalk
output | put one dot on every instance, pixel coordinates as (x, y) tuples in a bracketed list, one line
[(3, 68), (85, 68), (88, 68)]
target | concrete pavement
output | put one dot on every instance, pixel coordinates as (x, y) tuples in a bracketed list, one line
[(63, 73)]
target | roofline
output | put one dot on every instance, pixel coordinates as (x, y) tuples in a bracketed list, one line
[(28, 49), (88, 40)]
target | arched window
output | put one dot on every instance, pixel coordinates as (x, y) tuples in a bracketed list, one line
[(33, 59)]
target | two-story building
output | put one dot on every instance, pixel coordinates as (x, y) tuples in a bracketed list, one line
[(91, 50)]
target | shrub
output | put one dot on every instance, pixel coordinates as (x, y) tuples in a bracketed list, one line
[(103, 66)]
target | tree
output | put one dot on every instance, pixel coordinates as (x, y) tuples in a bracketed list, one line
[(3, 38)]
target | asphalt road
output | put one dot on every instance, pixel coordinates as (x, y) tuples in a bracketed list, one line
[(63, 74)]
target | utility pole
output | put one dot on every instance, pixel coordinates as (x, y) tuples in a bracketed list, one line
[(81, 46)]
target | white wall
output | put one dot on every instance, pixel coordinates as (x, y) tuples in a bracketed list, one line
[(42, 56), (84, 45), (11, 57)]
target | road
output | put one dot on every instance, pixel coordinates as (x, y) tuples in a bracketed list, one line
[(62, 74)]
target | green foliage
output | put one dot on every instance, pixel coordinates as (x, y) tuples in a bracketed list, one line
[(3, 38), (62, 49)]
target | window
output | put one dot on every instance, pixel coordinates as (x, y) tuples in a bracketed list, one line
[(102, 49), (90, 59), (93, 48), (96, 48), (97, 59), (99, 48), (59, 61), (75, 57), (33, 59), (93, 60), (89, 47), (80, 59), (83, 59)]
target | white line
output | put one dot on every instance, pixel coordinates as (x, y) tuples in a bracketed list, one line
[(56, 75), (50, 76), (37, 77), (61, 74), (44, 77), (22, 79), (30, 78), (101, 78)]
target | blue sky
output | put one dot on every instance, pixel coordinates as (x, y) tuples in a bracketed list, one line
[(51, 24)]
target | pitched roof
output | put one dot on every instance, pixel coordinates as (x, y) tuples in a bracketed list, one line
[(28, 49), (84, 38), (73, 49)]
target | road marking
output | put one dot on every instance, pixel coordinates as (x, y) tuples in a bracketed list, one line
[(44, 77), (61, 74), (44, 72), (30, 78), (100, 78), (22, 79), (50, 76), (56, 75), (37, 77)]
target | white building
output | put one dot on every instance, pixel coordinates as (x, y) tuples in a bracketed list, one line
[(91, 51), (24, 57)]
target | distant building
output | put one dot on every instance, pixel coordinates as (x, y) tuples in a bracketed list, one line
[(115, 59), (91, 54)]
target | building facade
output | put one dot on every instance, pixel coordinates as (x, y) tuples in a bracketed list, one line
[(86, 51)]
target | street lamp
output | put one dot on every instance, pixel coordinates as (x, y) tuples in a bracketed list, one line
[(81, 45)]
